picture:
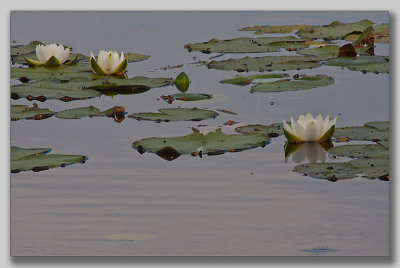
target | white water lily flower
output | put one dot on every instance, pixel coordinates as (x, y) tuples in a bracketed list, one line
[(308, 129), (108, 62), (50, 55)]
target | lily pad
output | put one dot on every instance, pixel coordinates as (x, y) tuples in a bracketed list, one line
[(381, 34), (266, 63), (25, 112), (84, 88), (274, 28), (37, 159), (246, 80), (197, 143), (371, 131), (176, 114), (90, 111), (330, 51), (301, 83), (361, 151), (272, 130), (248, 45), (372, 168), (376, 64), (54, 89), (186, 97), (335, 30), (328, 171)]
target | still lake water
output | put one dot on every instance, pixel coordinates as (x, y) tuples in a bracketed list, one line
[(245, 203)]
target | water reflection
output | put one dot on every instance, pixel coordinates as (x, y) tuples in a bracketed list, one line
[(309, 151)]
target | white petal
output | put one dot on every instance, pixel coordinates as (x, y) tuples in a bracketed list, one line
[(287, 127), (298, 129), (41, 54), (64, 56), (311, 132)]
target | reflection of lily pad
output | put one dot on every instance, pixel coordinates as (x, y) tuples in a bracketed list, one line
[(197, 143), (266, 63), (274, 28), (376, 64), (248, 45), (186, 97), (176, 114), (26, 112), (246, 80), (37, 159), (275, 128), (333, 31), (301, 83)]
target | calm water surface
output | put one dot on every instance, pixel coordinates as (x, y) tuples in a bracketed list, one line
[(245, 203)]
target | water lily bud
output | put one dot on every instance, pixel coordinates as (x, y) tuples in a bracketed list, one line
[(182, 82)]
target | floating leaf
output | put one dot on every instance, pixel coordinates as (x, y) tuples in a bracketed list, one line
[(24, 49), (371, 131), (197, 143), (272, 130), (54, 89), (248, 45), (333, 31), (361, 151), (186, 97), (36, 159), (25, 112), (376, 64), (330, 51), (246, 80), (182, 82), (301, 83), (274, 28), (382, 33), (78, 112), (176, 114), (266, 63), (329, 171)]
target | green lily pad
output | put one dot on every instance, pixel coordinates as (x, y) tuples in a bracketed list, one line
[(248, 45), (24, 49), (382, 33), (335, 30), (328, 171), (197, 143), (372, 131), (25, 112), (330, 51), (176, 114), (266, 63), (272, 130), (37, 159), (372, 168), (84, 88), (246, 80), (54, 89), (376, 64), (361, 151), (301, 83), (90, 111), (274, 28), (186, 97)]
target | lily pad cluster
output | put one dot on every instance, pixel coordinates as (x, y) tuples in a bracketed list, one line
[(249, 45), (25, 112), (38, 159), (213, 143), (370, 160)]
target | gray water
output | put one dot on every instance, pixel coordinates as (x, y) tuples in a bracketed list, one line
[(243, 204)]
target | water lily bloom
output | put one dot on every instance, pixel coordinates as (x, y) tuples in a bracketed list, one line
[(308, 129), (108, 62), (50, 55)]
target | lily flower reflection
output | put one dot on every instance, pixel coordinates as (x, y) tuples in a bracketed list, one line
[(311, 152)]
